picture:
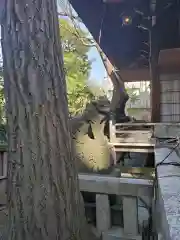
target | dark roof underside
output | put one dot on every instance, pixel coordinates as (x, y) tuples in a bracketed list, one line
[(121, 44), (125, 45)]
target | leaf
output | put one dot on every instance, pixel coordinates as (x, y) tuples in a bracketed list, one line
[(77, 66)]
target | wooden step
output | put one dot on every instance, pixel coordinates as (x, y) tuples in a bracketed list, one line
[(133, 147), (133, 131), (135, 144)]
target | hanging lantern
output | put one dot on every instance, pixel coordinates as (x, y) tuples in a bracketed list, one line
[(126, 20)]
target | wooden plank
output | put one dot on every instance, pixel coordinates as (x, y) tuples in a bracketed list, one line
[(133, 136), (133, 140), (137, 74), (130, 215), (159, 130), (140, 131), (149, 144), (151, 124), (135, 124), (135, 149), (169, 57), (118, 186)]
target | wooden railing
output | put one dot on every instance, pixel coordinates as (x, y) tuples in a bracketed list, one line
[(129, 189), (132, 137), (140, 137)]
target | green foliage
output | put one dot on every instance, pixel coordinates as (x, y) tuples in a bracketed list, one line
[(77, 66)]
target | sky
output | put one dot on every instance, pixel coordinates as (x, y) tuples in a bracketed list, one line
[(97, 72)]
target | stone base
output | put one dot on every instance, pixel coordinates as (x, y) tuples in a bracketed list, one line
[(117, 233), (160, 237)]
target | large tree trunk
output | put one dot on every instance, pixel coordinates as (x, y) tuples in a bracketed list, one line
[(43, 193)]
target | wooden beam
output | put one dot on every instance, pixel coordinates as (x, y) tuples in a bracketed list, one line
[(155, 96), (169, 57), (139, 149), (135, 75), (155, 82), (134, 144), (142, 136), (134, 147)]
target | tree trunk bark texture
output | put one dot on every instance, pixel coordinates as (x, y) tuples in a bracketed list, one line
[(43, 193)]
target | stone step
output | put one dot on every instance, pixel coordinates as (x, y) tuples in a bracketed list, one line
[(117, 233)]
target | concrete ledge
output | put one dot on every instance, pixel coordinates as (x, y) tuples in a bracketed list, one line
[(118, 186), (116, 233), (168, 194)]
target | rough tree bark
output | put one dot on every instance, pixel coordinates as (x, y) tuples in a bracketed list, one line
[(43, 193)]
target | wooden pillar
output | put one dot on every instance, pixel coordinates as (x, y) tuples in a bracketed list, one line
[(155, 83), (155, 95)]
